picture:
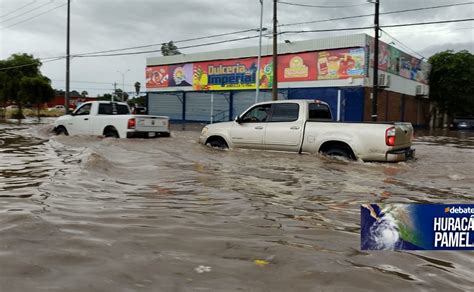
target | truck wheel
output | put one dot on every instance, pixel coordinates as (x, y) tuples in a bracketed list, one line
[(61, 131), (111, 134), (341, 152), (217, 142)]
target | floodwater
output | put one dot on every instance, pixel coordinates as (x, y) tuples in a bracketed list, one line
[(94, 214)]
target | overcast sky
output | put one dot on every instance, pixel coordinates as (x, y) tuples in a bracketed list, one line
[(38, 27)]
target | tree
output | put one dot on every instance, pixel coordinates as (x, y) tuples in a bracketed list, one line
[(122, 96), (14, 69), (106, 96), (137, 88), (36, 90), (84, 93), (451, 82), (169, 49)]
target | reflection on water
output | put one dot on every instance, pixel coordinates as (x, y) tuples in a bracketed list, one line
[(93, 214)]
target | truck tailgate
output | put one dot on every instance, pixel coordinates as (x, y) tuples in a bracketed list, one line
[(403, 134), (151, 123)]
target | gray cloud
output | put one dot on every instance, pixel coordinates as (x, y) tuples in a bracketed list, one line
[(104, 24)]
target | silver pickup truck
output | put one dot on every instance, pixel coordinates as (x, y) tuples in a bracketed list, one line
[(306, 126)]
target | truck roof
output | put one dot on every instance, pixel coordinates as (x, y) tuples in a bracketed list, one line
[(295, 101)]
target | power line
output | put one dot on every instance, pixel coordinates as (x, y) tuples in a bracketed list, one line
[(18, 9), (181, 48), (91, 82), (178, 41), (403, 45), (99, 53), (284, 32), (382, 26), (31, 10), (382, 13), (30, 64), (321, 6), (33, 17)]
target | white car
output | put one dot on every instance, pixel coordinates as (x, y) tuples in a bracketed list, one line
[(307, 126), (57, 107), (111, 119)]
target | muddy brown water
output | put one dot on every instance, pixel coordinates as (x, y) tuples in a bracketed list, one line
[(94, 214)]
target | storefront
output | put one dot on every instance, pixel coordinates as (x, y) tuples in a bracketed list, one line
[(219, 85)]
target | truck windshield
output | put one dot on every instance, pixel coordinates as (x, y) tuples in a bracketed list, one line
[(113, 109), (318, 111)]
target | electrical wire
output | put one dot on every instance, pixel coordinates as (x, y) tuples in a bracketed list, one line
[(381, 26), (30, 64), (403, 45), (180, 48), (87, 82), (98, 53), (382, 13), (321, 6), (178, 41), (33, 17), (24, 13), (18, 9)]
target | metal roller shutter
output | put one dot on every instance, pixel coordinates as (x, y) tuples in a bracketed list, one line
[(166, 104), (244, 99), (198, 106)]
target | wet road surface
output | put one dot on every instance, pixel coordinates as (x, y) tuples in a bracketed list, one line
[(94, 214)]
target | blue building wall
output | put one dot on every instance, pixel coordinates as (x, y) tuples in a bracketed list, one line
[(195, 106), (352, 100)]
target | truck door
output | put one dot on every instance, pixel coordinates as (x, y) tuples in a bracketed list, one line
[(249, 131), (80, 122), (284, 127)]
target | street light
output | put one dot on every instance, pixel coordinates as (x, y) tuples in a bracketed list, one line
[(123, 81)]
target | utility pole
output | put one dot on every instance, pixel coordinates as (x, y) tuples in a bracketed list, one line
[(115, 92), (66, 96), (259, 59), (275, 53), (376, 63)]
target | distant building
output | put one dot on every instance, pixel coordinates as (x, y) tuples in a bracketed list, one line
[(336, 70), (74, 100)]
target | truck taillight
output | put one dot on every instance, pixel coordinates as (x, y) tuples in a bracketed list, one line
[(131, 123), (390, 136)]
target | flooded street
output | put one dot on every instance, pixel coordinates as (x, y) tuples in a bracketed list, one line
[(94, 214)]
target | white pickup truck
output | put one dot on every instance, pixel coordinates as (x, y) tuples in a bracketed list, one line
[(111, 119), (306, 126)]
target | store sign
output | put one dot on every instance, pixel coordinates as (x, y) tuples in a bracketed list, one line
[(181, 75), (341, 64), (297, 67), (242, 73), (157, 77), (397, 62)]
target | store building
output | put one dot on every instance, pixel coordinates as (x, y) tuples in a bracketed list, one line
[(219, 85)]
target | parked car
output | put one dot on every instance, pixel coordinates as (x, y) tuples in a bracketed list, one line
[(57, 107), (305, 126), (462, 123), (111, 119)]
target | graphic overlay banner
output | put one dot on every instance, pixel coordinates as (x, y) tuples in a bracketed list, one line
[(417, 227)]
